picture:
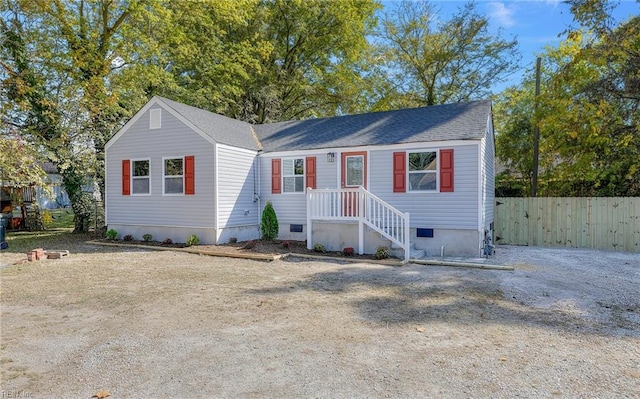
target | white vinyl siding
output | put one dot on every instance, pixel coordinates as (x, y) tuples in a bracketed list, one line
[(430, 209), (236, 185), (156, 209), (488, 176)]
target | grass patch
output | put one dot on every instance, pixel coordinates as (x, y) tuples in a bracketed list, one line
[(24, 241), (60, 219)]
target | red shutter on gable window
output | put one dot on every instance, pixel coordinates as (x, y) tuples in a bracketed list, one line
[(189, 175), (311, 172), (276, 176), (446, 171), (126, 177), (400, 172)]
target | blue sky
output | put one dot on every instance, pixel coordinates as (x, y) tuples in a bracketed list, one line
[(535, 23)]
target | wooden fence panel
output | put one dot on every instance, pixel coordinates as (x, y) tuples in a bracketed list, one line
[(580, 222)]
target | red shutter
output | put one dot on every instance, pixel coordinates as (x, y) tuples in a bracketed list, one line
[(310, 171), (446, 171), (126, 177), (189, 175), (276, 176), (400, 172)]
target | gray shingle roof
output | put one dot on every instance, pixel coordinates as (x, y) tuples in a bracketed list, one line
[(222, 129), (460, 121)]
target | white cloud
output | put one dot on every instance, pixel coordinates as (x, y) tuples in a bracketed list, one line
[(502, 14)]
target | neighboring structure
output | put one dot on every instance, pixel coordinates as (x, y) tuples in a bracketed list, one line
[(175, 170)]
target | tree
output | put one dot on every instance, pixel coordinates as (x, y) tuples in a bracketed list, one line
[(589, 113), (269, 61), (19, 163), (60, 57), (441, 62)]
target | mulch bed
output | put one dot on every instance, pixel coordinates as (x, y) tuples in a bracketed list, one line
[(276, 247), (289, 246)]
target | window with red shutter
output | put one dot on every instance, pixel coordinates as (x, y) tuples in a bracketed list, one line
[(399, 172), (311, 172), (189, 175), (126, 177), (446, 171), (276, 176)]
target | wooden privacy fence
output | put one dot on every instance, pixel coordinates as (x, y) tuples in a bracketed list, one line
[(580, 222)]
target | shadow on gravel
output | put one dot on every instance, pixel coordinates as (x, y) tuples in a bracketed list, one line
[(409, 295)]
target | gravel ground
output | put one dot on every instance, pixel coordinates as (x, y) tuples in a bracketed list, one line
[(144, 324)]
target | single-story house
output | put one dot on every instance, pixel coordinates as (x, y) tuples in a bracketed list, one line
[(409, 179)]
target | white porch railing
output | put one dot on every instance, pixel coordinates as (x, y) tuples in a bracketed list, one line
[(358, 204)]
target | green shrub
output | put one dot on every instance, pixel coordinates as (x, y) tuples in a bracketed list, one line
[(381, 253), (147, 237), (269, 225), (112, 234), (319, 248), (193, 240)]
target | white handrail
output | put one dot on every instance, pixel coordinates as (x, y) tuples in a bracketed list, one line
[(360, 205)]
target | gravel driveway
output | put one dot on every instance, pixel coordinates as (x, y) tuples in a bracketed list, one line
[(565, 323)]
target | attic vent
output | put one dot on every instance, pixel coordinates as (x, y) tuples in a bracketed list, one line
[(155, 118)]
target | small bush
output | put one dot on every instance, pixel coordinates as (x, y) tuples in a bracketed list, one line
[(381, 253), (348, 251), (193, 240), (147, 237), (112, 234), (319, 248), (269, 225), (167, 241), (286, 244), (128, 237), (250, 244), (233, 240)]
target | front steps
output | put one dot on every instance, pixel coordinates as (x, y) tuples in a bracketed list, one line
[(414, 253)]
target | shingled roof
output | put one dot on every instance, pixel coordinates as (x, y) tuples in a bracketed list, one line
[(222, 129), (459, 121)]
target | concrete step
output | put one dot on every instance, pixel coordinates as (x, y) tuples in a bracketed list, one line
[(413, 252), (417, 253)]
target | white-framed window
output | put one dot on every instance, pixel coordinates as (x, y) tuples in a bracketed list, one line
[(293, 175), (173, 175), (140, 177), (423, 171)]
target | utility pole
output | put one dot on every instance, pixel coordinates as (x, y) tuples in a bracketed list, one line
[(536, 133)]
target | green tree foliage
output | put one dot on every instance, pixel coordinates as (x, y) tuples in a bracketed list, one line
[(265, 61), (589, 112), (435, 61), (269, 225), (19, 163), (59, 58)]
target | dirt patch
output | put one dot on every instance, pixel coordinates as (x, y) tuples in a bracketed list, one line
[(277, 247), (166, 324)]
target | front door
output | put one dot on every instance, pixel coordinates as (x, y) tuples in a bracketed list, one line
[(354, 175)]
